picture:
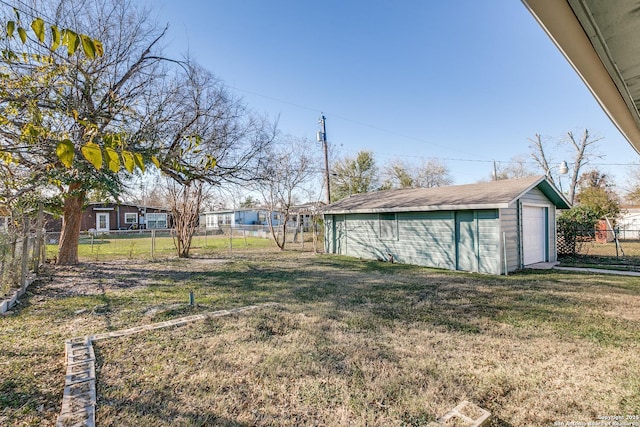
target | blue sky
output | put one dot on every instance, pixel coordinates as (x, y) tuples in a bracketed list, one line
[(467, 82)]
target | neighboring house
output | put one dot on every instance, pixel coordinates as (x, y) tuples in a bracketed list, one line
[(629, 223), (604, 231), (303, 214), (238, 217), (103, 217), (52, 223), (491, 227)]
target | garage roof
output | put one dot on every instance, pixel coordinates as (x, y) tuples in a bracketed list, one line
[(600, 40), (485, 195)]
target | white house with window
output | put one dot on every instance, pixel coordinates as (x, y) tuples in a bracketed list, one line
[(236, 218)]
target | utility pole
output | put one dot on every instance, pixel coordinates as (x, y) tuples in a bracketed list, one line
[(322, 138)]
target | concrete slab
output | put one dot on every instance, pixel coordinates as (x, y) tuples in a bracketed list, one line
[(598, 271), (466, 414), (542, 265)]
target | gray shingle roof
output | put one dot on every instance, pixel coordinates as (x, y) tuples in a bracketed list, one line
[(485, 195)]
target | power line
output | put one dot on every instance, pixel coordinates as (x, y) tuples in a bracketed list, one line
[(346, 119), (392, 132)]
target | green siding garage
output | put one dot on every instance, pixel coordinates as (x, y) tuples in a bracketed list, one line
[(491, 227)]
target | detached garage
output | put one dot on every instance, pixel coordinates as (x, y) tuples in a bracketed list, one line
[(492, 227)]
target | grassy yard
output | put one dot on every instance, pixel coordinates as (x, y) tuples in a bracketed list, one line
[(350, 343), (626, 249), (109, 247)]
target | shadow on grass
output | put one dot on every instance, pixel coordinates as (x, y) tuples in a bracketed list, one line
[(384, 292), (364, 296), (21, 396)]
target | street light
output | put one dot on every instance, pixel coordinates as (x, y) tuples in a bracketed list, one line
[(563, 169)]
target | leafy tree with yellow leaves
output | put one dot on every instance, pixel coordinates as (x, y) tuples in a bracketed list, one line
[(82, 108)]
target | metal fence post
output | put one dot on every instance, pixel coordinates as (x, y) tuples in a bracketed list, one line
[(153, 242), (38, 241), (25, 252)]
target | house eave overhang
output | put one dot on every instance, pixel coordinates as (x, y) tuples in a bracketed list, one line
[(595, 46)]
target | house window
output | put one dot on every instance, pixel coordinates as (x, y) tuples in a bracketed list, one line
[(156, 220), (225, 219), (130, 218), (388, 226), (211, 221), (262, 216)]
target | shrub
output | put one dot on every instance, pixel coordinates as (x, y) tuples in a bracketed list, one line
[(576, 226)]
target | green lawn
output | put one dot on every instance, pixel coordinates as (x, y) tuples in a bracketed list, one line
[(106, 247), (351, 343)]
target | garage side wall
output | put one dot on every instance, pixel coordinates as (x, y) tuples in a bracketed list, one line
[(509, 223), (328, 234), (420, 238), (489, 242)]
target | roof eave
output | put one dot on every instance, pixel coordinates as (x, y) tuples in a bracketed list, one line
[(559, 21), (419, 209), (549, 190)]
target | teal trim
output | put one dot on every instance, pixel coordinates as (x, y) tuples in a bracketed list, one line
[(547, 234), (552, 194)]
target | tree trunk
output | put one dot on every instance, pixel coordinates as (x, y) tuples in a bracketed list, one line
[(274, 234), (185, 209), (71, 221)]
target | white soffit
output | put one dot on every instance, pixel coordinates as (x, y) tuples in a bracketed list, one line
[(600, 40)]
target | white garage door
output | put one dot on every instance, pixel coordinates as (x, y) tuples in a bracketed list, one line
[(534, 234)]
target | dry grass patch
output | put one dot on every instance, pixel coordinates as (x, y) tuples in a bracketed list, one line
[(287, 368), (351, 343)]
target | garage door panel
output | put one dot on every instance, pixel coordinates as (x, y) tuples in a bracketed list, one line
[(534, 234)]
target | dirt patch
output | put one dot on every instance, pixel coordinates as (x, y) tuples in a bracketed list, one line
[(94, 278)]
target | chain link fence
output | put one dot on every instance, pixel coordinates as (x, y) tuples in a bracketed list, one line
[(602, 241), (159, 243), (22, 251)]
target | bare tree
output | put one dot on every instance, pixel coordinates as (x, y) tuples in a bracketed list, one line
[(632, 188), (397, 174), (582, 149), (432, 173), (211, 139), (288, 168), (516, 167), (185, 201)]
